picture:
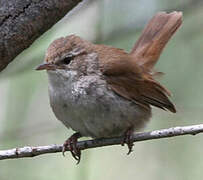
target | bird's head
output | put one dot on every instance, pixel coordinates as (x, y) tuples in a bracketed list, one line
[(63, 51)]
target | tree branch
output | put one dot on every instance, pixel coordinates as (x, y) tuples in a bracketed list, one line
[(23, 21), (158, 134)]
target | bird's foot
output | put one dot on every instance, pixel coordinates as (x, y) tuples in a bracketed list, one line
[(128, 140), (71, 144)]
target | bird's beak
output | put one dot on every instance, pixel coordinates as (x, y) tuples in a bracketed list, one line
[(46, 66)]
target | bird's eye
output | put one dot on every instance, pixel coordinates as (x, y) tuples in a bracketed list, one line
[(67, 60)]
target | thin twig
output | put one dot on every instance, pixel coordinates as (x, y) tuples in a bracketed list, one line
[(157, 134)]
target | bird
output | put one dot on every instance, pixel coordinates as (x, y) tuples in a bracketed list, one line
[(100, 91)]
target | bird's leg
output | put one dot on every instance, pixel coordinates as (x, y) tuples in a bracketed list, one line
[(71, 144), (128, 140)]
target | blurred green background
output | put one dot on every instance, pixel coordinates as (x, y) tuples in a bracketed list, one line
[(27, 119)]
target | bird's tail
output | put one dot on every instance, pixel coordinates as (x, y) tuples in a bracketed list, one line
[(154, 37)]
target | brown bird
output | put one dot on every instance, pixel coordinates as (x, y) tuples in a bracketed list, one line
[(102, 91)]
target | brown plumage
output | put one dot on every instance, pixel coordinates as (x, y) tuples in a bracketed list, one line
[(102, 91), (131, 75)]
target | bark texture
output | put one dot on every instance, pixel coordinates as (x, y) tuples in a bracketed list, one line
[(23, 21)]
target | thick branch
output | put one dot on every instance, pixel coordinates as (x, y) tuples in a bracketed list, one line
[(158, 134), (23, 21)]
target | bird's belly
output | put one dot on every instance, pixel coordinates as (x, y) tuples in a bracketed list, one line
[(92, 109)]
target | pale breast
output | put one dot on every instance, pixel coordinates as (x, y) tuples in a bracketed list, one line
[(87, 105)]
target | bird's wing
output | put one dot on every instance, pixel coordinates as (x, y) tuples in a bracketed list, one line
[(144, 91), (132, 81)]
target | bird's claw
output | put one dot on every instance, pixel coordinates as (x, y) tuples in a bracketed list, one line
[(71, 145), (128, 140)]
